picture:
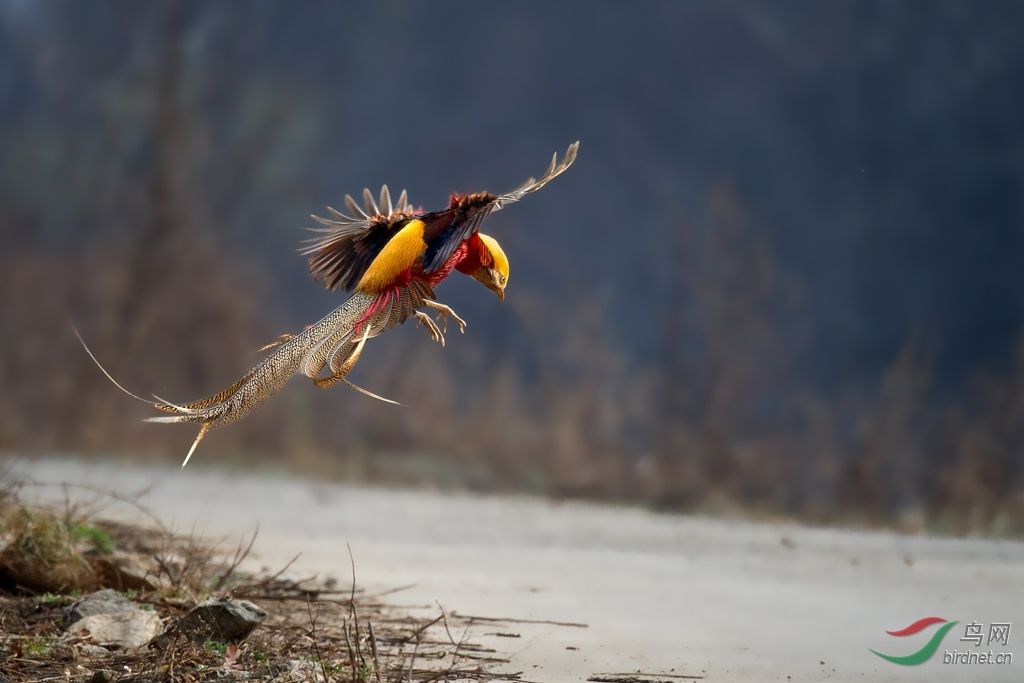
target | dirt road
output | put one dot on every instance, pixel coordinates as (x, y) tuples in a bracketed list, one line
[(659, 593)]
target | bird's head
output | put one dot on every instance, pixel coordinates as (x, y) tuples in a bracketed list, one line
[(493, 270)]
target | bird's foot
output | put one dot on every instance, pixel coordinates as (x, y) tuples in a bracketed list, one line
[(432, 329), (444, 313), (287, 336)]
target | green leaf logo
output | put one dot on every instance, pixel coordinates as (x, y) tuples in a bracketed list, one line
[(926, 652)]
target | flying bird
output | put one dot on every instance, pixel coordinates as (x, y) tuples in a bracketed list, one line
[(391, 256)]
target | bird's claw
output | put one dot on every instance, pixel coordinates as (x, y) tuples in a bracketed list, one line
[(432, 329), (444, 313)]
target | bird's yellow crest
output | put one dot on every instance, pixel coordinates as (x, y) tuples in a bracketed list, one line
[(498, 254)]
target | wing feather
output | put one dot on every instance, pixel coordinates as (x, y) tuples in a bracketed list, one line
[(459, 222), (349, 251), (347, 244), (532, 185)]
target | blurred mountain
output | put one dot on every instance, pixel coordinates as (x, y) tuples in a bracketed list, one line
[(876, 147), (770, 200)]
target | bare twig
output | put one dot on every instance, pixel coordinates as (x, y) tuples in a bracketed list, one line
[(373, 649), (508, 620), (351, 653), (270, 580), (418, 632), (640, 677), (312, 635), (132, 500), (352, 608), (412, 660), (444, 618), (239, 557)]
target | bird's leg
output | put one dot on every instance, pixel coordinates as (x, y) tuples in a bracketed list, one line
[(444, 312), (432, 329)]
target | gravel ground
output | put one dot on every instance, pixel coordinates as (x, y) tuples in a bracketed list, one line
[(660, 593)]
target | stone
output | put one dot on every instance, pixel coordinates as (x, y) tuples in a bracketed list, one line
[(105, 601), (92, 651), (124, 630), (122, 571), (222, 619)]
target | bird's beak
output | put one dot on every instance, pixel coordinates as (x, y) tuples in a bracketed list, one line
[(488, 277), (495, 287)]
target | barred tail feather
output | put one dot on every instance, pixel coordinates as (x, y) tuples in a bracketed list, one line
[(199, 437), (167, 419), (328, 341)]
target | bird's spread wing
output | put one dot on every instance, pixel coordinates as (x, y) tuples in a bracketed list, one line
[(351, 251), (348, 243), (532, 184), (445, 230)]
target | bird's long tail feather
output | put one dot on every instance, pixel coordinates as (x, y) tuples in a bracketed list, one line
[(104, 370), (329, 339)]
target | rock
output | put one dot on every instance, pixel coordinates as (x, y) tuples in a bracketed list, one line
[(222, 619), (93, 651), (125, 630), (106, 601), (103, 676), (122, 571)]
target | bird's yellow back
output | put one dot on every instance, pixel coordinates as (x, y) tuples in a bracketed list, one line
[(397, 256)]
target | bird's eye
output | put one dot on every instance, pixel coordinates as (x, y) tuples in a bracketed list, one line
[(501, 279)]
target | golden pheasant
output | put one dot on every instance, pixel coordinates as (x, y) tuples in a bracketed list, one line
[(392, 257)]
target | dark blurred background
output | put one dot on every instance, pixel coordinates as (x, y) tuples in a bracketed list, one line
[(783, 277)]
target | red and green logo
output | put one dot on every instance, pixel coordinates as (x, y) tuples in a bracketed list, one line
[(929, 648)]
